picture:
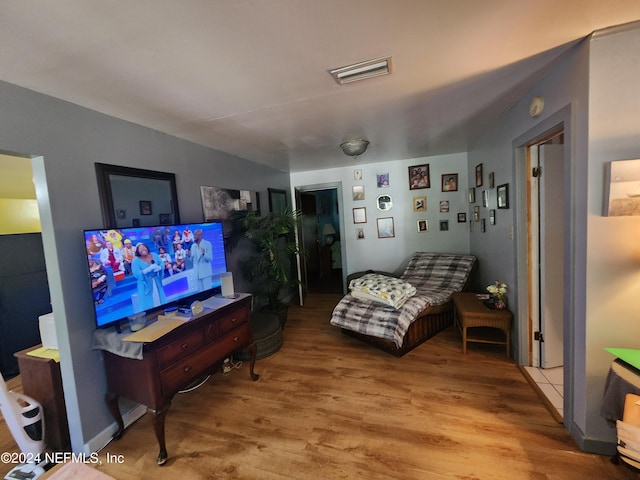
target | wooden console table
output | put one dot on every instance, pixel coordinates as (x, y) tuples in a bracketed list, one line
[(175, 360), (470, 312)]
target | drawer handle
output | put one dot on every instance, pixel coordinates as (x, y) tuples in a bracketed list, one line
[(187, 369), (235, 339), (185, 346), (233, 320)]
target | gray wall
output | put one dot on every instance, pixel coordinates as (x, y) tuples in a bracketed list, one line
[(67, 140)]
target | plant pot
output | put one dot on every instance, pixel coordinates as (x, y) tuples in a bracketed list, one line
[(279, 311)]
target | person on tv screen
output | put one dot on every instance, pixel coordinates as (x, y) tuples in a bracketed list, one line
[(98, 280), (201, 255), (128, 254), (146, 268), (111, 257), (180, 256)]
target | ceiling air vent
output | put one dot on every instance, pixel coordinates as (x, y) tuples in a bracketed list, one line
[(362, 70)]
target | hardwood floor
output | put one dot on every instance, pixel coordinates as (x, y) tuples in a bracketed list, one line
[(329, 407)]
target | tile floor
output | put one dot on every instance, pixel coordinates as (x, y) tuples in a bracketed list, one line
[(551, 382)]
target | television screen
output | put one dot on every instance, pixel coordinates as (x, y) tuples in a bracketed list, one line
[(141, 269)]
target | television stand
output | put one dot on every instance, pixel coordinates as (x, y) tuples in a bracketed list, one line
[(175, 360)]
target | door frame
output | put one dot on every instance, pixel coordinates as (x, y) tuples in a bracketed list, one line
[(562, 119), (297, 189)]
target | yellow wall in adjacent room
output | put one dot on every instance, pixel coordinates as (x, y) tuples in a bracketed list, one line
[(19, 216)]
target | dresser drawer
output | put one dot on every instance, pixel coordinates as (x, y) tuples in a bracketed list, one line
[(234, 340), (180, 348), (232, 321), (185, 371)]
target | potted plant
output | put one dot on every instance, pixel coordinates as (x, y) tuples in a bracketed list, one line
[(271, 270)]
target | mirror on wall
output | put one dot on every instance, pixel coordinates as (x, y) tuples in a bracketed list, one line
[(133, 197)]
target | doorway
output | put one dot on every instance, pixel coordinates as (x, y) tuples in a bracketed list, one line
[(322, 271), (545, 262)]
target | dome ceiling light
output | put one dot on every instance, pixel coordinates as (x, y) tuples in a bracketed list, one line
[(354, 148)]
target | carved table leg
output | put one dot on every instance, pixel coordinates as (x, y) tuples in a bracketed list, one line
[(252, 360), (112, 403), (158, 425)]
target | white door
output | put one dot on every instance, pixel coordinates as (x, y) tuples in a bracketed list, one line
[(551, 253)]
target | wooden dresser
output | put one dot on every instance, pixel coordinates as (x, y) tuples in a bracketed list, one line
[(177, 359)]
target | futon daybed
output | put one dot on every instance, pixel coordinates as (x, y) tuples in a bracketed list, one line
[(398, 314)]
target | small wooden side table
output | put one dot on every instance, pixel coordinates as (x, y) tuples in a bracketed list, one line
[(42, 381), (470, 312)]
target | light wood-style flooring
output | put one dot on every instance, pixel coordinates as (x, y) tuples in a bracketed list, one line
[(329, 407)]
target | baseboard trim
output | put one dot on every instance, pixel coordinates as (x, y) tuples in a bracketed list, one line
[(101, 440)]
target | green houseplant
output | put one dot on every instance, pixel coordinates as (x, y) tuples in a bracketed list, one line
[(272, 268)]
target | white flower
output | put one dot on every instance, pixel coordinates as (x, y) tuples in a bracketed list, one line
[(498, 289)]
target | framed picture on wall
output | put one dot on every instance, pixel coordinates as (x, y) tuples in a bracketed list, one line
[(462, 217), (358, 192), (503, 195), (492, 217), (419, 177), (444, 206), (360, 215), (383, 180), (357, 174), (423, 226), (360, 233), (472, 195), (479, 175), (444, 225), (145, 207), (385, 227), (450, 182), (420, 203)]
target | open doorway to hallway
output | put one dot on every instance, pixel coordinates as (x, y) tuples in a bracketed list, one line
[(321, 238)]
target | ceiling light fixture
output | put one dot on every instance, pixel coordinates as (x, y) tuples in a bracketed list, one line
[(354, 148), (362, 70)]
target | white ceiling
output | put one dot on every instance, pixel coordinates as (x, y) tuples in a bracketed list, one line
[(250, 77)]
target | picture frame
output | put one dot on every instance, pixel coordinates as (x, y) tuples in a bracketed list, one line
[(121, 213), (382, 180), (472, 195), (491, 180), (492, 217), (423, 226), (471, 225), (462, 217), (135, 222), (483, 225), (476, 213), (359, 215), (360, 233), (479, 175), (485, 198), (419, 177), (145, 207), (358, 192), (622, 188), (444, 206), (444, 225), (384, 202), (164, 218), (277, 199), (357, 174), (450, 182), (503, 195), (386, 228), (420, 203)]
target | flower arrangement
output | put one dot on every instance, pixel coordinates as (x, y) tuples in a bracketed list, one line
[(498, 291)]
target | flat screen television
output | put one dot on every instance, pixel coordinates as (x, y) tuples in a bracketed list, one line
[(142, 269)]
